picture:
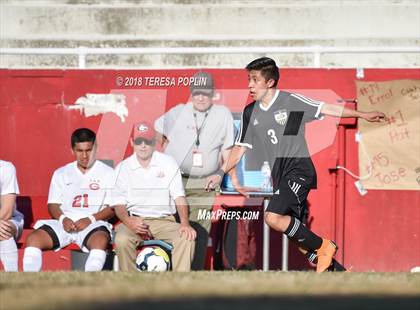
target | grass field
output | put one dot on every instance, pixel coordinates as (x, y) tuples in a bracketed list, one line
[(209, 290)]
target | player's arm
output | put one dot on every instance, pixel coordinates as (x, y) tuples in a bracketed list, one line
[(7, 203), (242, 142), (339, 111), (231, 172), (233, 159), (56, 213), (9, 191), (103, 215), (233, 175), (55, 200), (182, 208)]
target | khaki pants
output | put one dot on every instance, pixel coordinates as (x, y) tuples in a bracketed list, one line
[(163, 228), (200, 202)]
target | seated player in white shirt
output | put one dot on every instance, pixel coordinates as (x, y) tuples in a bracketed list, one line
[(78, 203), (11, 220)]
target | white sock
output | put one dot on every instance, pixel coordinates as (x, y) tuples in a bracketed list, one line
[(32, 259), (9, 254), (96, 260)]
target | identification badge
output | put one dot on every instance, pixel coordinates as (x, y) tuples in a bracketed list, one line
[(197, 159)]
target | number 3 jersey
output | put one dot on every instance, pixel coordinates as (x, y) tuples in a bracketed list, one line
[(276, 133), (81, 195)]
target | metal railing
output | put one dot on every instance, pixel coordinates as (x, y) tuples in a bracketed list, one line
[(317, 51)]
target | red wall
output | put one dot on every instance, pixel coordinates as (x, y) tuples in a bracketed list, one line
[(379, 231)]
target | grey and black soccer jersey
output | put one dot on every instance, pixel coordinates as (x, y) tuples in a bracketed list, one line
[(277, 134)]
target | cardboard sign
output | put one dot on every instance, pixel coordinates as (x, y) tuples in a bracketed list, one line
[(392, 148)]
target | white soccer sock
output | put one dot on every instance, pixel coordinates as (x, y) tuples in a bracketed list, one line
[(9, 254), (32, 259), (96, 260)]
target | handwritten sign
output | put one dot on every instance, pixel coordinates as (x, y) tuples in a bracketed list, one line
[(392, 147)]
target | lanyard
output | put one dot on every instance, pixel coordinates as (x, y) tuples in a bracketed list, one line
[(198, 130)]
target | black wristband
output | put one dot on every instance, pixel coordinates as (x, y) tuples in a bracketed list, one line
[(220, 173)]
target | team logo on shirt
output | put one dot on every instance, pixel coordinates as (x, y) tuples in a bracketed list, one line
[(281, 117), (94, 185), (142, 128)]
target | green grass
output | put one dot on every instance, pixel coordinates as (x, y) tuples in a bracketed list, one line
[(209, 290)]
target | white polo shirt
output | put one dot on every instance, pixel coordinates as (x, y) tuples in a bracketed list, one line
[(8, 181), (81, 194), (151, 191)]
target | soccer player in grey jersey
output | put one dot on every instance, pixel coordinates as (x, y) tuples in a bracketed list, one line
[(276, 121)]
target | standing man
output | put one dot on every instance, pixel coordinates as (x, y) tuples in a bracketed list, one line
[(78, 203), (11, 220), (147, 194), (277, 120), (199, 135)]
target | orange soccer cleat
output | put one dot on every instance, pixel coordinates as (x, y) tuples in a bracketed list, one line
[(325, 255)]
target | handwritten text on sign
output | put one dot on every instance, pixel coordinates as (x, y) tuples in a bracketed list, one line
[(393, 146)]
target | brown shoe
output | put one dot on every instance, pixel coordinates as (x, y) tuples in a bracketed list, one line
[(325, 255)]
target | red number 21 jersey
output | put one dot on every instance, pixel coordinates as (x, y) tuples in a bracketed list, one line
[(81, 195)]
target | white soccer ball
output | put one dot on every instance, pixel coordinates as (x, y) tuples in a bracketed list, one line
[(152, 258)]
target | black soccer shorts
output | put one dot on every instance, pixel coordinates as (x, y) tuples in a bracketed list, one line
[(290, 198)]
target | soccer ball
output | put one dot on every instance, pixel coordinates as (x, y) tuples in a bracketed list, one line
[(152, 258)]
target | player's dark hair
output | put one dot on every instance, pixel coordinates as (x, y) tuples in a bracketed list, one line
[(268, 68), (82, 135)]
